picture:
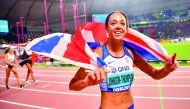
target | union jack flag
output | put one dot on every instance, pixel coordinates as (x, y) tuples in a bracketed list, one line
[(77, 49)]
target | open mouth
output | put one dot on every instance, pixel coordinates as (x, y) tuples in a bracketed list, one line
[(118, 33)]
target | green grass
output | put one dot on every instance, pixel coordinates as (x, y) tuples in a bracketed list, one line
[(181, 48), (43, 64)]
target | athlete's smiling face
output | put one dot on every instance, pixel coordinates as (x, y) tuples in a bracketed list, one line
[(117, 26)]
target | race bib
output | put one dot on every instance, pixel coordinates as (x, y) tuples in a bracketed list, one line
[(118, 82)]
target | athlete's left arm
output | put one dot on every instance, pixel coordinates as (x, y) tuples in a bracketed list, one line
[(157, 74)]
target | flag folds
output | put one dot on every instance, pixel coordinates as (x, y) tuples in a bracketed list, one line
[(77, 49)]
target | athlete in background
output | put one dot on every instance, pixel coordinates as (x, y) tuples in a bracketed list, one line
[(11, 65)]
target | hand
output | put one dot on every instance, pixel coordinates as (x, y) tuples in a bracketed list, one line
[(96, 76), (171, 64)]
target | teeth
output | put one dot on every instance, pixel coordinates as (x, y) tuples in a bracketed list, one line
[(118, 32)]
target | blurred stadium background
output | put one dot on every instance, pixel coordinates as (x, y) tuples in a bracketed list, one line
[(167, 21)]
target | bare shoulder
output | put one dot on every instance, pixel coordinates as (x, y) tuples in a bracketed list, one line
[(98, 51), (131, 52)]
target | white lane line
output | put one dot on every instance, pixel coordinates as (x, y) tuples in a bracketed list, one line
[(165, 98), (140, 85), (70, 76), (136, 85), (95, 95), (25, 105), (177, 71), (61, 76), (169, 77), (63, 71), (45, 85), (54, 92), (56, 70), (42, 81), (135, 67), (73, 71)]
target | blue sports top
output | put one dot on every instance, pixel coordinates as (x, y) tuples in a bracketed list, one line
[(121, 72)]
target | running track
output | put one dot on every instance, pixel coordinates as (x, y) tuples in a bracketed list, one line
[(52, 92)]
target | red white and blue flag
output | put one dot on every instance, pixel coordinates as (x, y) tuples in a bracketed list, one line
[(78, 49)]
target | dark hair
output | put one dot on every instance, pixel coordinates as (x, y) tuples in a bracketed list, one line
[(7, 50), (108, 17)]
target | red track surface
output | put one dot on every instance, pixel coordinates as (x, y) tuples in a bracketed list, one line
[(52, 91)]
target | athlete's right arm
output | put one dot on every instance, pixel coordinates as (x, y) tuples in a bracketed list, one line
[(85, 78), (78, 83)]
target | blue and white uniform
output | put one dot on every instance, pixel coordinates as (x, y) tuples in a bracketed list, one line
[(121, 72)]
